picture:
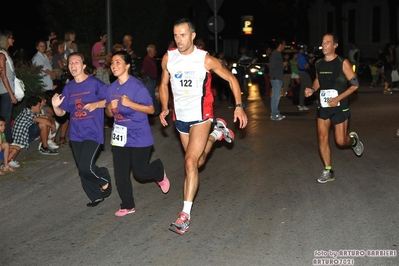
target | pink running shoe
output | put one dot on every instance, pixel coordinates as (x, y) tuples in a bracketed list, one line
[(123, 212), (228, 134), (181, 225), (164, 184)]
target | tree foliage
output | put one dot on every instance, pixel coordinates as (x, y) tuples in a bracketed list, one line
[(31, 76)]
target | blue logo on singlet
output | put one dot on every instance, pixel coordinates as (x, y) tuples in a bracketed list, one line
[(179, 75)]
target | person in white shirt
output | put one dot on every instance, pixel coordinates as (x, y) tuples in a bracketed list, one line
[(41, 59), (354, 56)]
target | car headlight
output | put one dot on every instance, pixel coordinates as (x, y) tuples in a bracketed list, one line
[(253, 70)]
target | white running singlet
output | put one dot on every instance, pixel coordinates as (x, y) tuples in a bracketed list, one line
[(191, 86)]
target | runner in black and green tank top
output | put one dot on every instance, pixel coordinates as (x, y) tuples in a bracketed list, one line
[(332, 76)]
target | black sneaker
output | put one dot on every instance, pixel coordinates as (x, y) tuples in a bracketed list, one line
[(107, 192), (47, 151)]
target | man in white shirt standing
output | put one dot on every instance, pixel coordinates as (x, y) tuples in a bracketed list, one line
[(354, 57), (41, 59)]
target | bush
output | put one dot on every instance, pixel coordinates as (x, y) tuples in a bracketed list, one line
[(31, 76)]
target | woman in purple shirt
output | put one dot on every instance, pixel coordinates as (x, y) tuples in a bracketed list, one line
[(84, 98), (129, 103)]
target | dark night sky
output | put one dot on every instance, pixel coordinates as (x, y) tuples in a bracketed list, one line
[(24, 22), (27, 27)]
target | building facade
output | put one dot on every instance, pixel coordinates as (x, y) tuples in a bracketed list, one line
[(365, 23)]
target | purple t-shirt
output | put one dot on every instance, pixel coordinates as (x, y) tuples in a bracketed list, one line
[(138, 128), (85, 125)]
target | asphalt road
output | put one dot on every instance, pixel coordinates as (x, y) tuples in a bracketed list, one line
[(258, 202)]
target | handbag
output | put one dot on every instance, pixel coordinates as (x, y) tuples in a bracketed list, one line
[(19, 86), (395, 75), (19, 89)]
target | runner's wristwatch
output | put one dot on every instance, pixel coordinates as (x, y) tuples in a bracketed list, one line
[(240, 105)]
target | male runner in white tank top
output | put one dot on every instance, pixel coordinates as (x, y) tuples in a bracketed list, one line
[(187, 68)]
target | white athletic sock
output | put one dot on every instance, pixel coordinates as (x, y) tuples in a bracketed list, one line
[(187, 207), (217, 134)]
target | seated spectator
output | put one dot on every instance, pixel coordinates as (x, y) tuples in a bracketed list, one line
[(7, 152), (48, 112), (62, 120), (30, 125), (62, 123)]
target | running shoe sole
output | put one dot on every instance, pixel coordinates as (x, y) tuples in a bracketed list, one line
[(124, 212), (228, 134), (174, 228), (164, 185), (359, 148), (180, 226), (323, 181)]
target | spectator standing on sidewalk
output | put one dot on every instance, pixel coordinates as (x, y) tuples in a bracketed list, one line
[(7, 81), (115, 48), (276, 79), (287, 76), (354, 57), (188, 69), (149, 73), (70, 45), (389, 63), (374, 74), (130, 103), (266, 73), (312, 61), (304, 77), (49, 50), (41, 59), (51, 36), (99, 56), (58, 62), (294, 70), (84, 99), (380, 66), (332, 75), (128, 47)]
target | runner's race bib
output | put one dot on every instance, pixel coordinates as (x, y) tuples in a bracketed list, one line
[(326, 96), (119, 136)]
